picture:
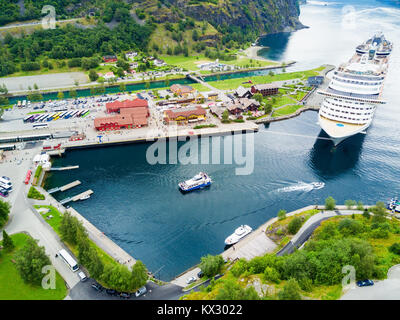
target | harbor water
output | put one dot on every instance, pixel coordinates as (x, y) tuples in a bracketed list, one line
[(139, 206)]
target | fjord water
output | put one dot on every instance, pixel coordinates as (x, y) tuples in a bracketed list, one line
[(138, 205)]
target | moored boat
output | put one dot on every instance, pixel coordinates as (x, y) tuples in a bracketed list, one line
[(199, 181), (239, 234)]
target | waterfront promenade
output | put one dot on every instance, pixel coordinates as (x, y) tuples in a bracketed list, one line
[(258, 243)]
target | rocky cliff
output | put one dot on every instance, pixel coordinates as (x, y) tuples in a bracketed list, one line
[(263, 16)]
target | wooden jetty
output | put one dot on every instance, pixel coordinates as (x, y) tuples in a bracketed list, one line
[(77, 197), (65, 187), (63, 168)]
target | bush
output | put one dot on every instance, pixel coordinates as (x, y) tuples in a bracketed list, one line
[(349, 227), (281, 214), (295, 225), (330, 203), (271, 274), (34, 194), (306, 284), (395, 248), (38, 171), (350, 204), (360, 206), (239, 267), (291, 291)]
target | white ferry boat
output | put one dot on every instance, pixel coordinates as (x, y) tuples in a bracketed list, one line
[(239, 234), (355, 90), (199, 181)]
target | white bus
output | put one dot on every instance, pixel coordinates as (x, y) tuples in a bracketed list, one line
[(72, 264), (40, 125)]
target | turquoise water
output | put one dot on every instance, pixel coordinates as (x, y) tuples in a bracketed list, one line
[(138, 205)]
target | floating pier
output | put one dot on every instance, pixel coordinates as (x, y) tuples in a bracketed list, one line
[(77, 197), (63, 168), (64, 188)]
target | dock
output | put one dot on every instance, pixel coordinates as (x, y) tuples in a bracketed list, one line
[(63, 168), (77, 197), (65, 187)]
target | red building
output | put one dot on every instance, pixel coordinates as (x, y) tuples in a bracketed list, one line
[(117, 106), (131, 115), (265, 89), (110, 59)]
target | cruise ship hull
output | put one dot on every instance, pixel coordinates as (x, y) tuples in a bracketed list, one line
[(339, 131)]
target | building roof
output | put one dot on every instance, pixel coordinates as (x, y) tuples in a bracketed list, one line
[(246, 102), (178, 88), (185, 112), (241, 91), (117, 105), (265, 86)]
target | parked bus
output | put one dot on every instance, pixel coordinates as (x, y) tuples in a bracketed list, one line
[(71, 263), (39, 119), (26, 119), (68, 115), (40, 125), (24, 103), (19, 103)]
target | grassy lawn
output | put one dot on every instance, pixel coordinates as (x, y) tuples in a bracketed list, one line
[(286, 110), (35, 112), (233, 84), (191, 62), (12, 287), (55, 224)]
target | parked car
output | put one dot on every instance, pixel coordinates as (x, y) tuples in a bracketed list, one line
[(190, 280), (140, 291), (200, 274), (111, 292), (365, 283), (82, 276), (124, 295), (97, 286)]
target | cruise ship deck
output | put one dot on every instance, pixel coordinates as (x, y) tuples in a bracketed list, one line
[(339, 129)]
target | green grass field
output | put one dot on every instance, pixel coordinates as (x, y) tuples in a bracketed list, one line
[(12, 287), (286, 110), (233, 84)]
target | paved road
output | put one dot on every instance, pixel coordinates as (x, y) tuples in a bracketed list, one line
[(308, 228), (24, 219), (388, 289), (84, 291)]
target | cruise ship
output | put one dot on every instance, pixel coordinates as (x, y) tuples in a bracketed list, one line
[(355, 90)]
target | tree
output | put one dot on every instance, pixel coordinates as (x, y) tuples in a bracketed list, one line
[(8, 243), (258, 97), (94, 264), (73, 94), (290, 291), (268, 108), (350, 204), (93, 76), (147, 85), (4, 212), (360, 206), (231, 290), (139, 275), (379, 211), (281, 214), (239, 267), (395, 248), (294, 225), (30, 260), (271, 274), (122, 87), (60, 95), (211, 265), (366, 214), (330, 203), (117, 277), (225, 116), (71, 229)]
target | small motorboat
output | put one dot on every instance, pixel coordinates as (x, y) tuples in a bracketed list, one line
[(239, 234), (85, 197)]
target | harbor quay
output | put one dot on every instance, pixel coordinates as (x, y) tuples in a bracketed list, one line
[(97, 236)]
